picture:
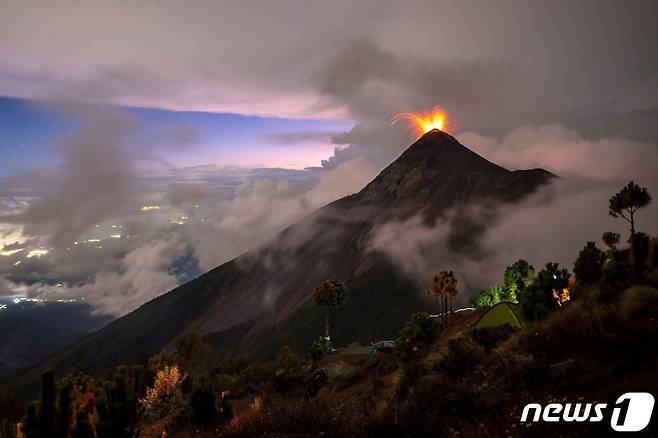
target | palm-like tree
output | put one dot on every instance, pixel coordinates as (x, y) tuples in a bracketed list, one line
[(443, 288), (332, 293)]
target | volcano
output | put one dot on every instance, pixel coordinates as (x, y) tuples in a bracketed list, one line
[(260, 301)]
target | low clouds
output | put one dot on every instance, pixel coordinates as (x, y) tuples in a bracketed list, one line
[(551, 225), (95, 182), (566, 153), (263, 207), (99, 230)]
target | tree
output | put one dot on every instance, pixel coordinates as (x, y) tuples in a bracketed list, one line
[(537, 300), (47, 406), (332, 293), (589, 264), (192, 354), (628, 201), (616, 278), (639, 254), (518, 277), (443, 288), (611, 239), (489, 296), (203, 403)]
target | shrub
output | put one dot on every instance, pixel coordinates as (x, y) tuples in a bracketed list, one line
[(490, 337), (299, 417), (203, 403), (164, 394), (320, 348), (463, 354), (616, 277), (416, 334), (652, 278), (288, 360), (640, 302)]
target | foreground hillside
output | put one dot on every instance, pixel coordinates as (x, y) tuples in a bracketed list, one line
[(582, 340), (261, 301)]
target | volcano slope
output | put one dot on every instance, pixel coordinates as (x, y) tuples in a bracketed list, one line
[(261, 300)]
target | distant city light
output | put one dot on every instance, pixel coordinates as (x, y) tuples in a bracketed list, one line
[(37, 253), (150, 208), (11, 252)]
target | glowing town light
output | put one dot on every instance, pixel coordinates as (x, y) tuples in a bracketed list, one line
[(37, 253)]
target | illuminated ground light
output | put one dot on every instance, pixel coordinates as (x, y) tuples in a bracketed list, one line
[(150, 208), (11, 252), (37, 253)]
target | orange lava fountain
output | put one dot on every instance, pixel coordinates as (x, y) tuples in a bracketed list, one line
[(425, 121)]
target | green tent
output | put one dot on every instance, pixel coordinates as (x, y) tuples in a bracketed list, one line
[(499, 314)]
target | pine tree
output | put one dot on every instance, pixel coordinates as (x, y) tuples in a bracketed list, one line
[(628, 201)]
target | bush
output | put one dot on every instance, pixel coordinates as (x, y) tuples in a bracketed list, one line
[(640, 302), (415, 336), (589, 264), (463, 355), (490, 337), (203, 403), (616, 277), (299, 416), (288, 360), (320, 348), (652, 278)]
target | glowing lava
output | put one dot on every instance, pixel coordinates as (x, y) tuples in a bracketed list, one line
[(425, 121)]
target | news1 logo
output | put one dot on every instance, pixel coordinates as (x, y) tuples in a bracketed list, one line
[(630, 413)]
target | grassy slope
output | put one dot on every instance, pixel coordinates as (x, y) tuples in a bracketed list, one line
[(584, 352)]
